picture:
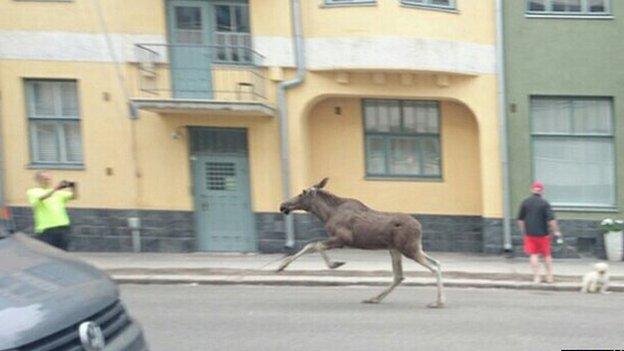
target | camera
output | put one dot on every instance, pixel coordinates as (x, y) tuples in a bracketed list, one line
[(68, 184)]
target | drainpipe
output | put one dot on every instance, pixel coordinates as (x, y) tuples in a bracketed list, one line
[(134, 222), (5, 216), (295, 12), (500, 63)]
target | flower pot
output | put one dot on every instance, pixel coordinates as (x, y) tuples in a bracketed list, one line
[(613, 245)]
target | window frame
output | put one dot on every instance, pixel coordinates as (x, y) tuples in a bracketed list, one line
[(228, 50), (348, 2), (387, 136), (581, 136), (58, 120), (428, 5), (583, 13), (231, 5)]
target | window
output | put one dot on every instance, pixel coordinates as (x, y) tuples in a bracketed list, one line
[(54, 122), (402, 138), (573, 151), (232, 33), (445, 4), (189, 29), (569, 7)]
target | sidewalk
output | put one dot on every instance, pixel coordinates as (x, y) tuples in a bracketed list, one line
[(361, 268)]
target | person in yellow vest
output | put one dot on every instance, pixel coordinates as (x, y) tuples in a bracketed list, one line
[(49, 213)]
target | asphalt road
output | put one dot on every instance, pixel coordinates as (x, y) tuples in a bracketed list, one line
[(205, 317)]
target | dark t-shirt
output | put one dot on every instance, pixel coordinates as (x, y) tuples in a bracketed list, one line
[(536, 212)]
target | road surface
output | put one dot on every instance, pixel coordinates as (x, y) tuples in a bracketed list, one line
[(207, 317)]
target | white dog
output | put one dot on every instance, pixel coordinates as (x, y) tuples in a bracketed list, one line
[(596, 281)]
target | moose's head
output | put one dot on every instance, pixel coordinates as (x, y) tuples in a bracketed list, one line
[(302, 201)]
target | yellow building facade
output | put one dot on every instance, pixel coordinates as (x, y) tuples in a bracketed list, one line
[(168, 111)]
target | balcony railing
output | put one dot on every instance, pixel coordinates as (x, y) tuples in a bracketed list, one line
[(200, 72)]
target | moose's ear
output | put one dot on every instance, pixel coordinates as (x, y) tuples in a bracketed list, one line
[(322, 183)]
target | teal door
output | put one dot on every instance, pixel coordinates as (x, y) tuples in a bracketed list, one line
[(190, 54), (222, 196)]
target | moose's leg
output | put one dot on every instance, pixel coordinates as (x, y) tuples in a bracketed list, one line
[(330, 264), (311, 247), (319, 246), (397, 270), (434, 266)]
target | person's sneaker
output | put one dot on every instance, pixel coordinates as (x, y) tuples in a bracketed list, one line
[(537, 279), (550, 279)]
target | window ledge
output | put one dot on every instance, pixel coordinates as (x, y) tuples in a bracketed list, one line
[(585, 17), (324, 5), (77, 167), (430, 8), (404, 179), (586, 209)]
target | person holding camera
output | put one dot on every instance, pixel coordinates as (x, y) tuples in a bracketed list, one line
[(49, 212)]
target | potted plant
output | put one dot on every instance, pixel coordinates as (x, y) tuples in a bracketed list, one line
[(613, 238)]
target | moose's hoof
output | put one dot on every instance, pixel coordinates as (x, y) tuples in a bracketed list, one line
[(371, 301), (436, 305), (336, 264)]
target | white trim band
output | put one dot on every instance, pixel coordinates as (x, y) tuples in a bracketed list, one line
[(70, 46), (400, 53), (383, 52)]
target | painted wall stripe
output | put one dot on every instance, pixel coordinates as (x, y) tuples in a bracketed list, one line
[(321, 53), (69, 46), (400, 53)]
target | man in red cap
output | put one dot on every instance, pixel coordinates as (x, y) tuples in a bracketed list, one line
[(536, 222)]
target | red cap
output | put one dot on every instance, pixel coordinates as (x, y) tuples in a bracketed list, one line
[(537, 186)]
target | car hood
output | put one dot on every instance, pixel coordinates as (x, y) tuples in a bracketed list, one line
[(43, 290)]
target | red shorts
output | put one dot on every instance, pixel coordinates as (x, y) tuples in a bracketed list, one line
[(537, 245)]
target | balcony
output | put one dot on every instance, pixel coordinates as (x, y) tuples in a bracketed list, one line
[(186, 77)]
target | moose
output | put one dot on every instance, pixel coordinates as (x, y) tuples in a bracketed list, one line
[(350, 223)]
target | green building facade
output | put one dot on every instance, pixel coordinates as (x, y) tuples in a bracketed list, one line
[(564, 102)]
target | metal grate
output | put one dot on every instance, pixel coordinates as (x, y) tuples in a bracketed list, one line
[(221, 176), (112, 319)]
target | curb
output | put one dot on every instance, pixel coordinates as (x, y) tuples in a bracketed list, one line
[(342, 281), (380, 274)]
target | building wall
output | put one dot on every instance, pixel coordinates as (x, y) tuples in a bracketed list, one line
[(338, 152), (361, 37), (134, 17), (475, 95), (137, 168), (472, 22), (569, 57), (163, 162), (105, 130)]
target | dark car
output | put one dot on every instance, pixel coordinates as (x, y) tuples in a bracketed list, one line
[(50, 301)]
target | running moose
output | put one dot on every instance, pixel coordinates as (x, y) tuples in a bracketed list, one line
[(350, 223)]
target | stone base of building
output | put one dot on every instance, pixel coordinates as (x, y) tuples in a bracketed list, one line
[(581, 238), (473, 234), (173, 231), (440, 233), (107, 230)]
